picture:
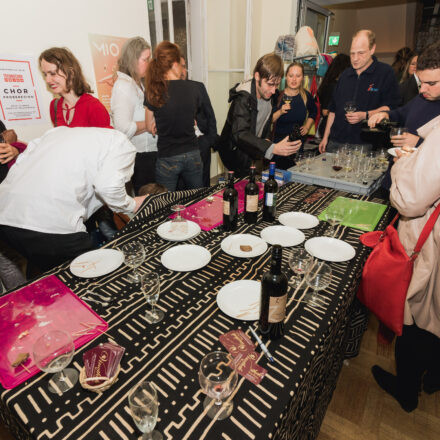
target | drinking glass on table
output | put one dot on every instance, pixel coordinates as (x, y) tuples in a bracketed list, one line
[(317, 278), (150, 285), (337, 164), (398, 131), (333, 216), (308, 157), (52, 352), (218, 378), (144, 408), (299, 160), (134, 256), (299, 261)]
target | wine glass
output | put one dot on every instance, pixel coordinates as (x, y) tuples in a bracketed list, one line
[(337, 164), (178, 209), (398, 131), (144, 407), (317, 278), (299, 160), (218, 378), (350, 107), (134, 254), (299, 262), (150, 284), (52, 352), (308, 156), (333, 216)]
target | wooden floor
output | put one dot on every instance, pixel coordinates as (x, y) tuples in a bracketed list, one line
[(360, 410)]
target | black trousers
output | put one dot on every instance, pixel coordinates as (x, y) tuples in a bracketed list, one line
[(417, 353), (46, 251), (144, 170), (205, 154)]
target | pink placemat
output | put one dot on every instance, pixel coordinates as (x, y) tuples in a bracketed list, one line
[(209, 214), (28, 313)]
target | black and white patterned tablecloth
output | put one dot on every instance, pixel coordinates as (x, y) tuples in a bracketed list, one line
[(289, 403)]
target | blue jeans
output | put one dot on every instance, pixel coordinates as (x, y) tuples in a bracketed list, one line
[(186, 165)]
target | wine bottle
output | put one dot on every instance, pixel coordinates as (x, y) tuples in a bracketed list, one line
[(230, 205), (383, 126), (270, 195), (273, 298), (251, 198)]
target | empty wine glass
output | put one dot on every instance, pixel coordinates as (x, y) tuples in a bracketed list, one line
[(144, 407), (299, 160), (333, 216), (178, 209), (398, 131), (151, 288), (134, 254), (350, 107), (218, 378), (308, 157), (52, 352), (299, 262), (317, 278)]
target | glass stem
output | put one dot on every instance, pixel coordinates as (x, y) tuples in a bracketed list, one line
[(147, 436), (218, 402), (295, 280), (62, 377), (153, 308)]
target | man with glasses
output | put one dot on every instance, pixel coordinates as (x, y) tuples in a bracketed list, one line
[(244, 137), (365, 88)]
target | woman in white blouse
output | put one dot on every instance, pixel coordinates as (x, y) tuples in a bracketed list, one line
[(127, 106)]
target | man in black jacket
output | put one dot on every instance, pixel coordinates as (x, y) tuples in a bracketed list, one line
[(244, 137)]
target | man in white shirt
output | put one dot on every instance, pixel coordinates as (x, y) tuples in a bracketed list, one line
[(59, 181)]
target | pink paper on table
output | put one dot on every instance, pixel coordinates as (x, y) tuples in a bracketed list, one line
[(28, 313), (209, 215)]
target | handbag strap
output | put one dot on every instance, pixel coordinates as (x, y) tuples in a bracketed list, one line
[(425, 232), (55, 104)]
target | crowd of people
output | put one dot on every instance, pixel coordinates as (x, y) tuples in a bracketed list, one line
[(162, 131)]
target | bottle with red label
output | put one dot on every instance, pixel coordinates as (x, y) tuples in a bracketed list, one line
[(230, 205), (273, 298)]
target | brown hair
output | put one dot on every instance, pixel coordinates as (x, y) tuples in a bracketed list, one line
[(156, 84), (371, 36), (302, 91), (269, 66), (130, 54), (152, 189), (405, 74), (430, 57), (69, 66)]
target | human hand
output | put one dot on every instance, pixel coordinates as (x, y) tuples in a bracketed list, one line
[(154, 128), (355, 117), (285, 108), (405, 140), (139, 200), (375, 119), (286, 148), (9, 136), (304, 130), (7, 153), (323, 145)]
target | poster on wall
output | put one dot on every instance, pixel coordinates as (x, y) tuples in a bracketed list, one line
[(105, 53), (19, 93)]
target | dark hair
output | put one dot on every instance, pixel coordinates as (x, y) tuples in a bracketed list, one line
[(405, 74), (156, 84), (338, 65), (401, 58), (430, 57), (66, 62), (130, 54), (269, 66), (152, 189)]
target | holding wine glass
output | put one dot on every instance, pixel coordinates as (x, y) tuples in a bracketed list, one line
[(299, 261), (317, 278), (350, 107), (134, 254), (218, 378), (151, 289), (144, 407), (52, 353)]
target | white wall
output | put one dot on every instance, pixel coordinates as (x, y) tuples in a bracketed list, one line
[(41, 24)]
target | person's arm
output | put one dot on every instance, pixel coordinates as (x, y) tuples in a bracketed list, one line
[(8, 153), (324, 141), (209, 125), (9, 136), (150, 122), (281, 111), (415, 185), (312, 112)]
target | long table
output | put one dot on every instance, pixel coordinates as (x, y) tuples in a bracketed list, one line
[(290, 402)]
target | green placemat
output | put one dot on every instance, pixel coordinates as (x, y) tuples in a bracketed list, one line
[(356, 214)]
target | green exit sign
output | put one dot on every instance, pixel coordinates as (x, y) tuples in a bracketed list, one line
[(333, 40)]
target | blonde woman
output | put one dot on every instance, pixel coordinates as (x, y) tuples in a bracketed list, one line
[(128, 110), (295, 106)]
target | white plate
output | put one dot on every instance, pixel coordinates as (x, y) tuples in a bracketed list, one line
[(329, 249), (392, 151), (283, 235), (96, 263), (185, 257), (172, 231), (298, 220), (231, 245), (240, 299)]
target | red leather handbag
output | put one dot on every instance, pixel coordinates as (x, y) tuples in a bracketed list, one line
[(387, 273)]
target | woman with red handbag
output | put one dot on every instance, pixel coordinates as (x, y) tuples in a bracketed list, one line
[(415, 192)]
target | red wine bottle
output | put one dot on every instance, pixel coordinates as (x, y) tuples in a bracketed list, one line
[(273, 298), (251, 199), (230, 205), (270, 195)]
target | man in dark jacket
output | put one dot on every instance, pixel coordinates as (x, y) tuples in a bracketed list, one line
[(244, 137)]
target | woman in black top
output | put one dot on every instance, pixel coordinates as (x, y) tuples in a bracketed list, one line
[(171, 105)]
